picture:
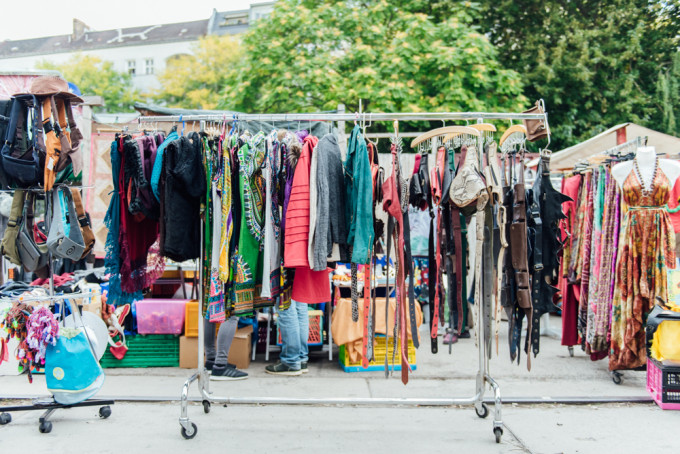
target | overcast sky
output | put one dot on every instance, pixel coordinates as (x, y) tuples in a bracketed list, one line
[(24, 19)]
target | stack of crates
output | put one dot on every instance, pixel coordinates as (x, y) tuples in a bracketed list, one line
[(663, 384), (379, 351)]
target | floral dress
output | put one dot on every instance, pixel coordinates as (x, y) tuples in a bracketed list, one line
[(646, 249)]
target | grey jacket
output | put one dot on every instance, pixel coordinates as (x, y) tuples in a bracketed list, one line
[(330, 207)]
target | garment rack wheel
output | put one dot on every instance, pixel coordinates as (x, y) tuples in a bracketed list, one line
[(571, 350), (190, 434), (617, 377), (498, 433), (104, 412), (206, 406), (5, 418), (484, 413)]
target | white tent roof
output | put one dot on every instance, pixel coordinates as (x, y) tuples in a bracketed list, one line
[(565, 159)]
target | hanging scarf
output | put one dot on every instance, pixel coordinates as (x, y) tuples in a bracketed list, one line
[(112, 259)]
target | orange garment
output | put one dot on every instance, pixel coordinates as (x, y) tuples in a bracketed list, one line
[(297, 215), (350, 334)]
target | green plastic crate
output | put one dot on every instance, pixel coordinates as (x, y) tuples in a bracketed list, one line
[(152, 350)]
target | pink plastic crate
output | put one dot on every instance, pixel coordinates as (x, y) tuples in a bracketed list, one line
[(665, 397), (160, 316)]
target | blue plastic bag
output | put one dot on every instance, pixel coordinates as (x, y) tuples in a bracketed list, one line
[(72, 373)]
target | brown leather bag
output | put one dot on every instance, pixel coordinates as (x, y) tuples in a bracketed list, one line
[(84, 221), (536, 129)]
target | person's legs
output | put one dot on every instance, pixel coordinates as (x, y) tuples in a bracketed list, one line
[(209, 343), (290, 336), (303, 323), (225, 336)]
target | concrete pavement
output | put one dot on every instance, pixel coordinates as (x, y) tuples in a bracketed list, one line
[(144, 417)]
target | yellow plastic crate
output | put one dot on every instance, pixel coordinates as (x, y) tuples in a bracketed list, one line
[(378, 363), (191, 319)]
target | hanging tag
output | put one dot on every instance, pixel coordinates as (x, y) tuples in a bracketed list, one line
[(50, 164)]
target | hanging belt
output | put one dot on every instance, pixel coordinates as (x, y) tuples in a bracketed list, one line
[(367, 311), (408, 268), (390, 231), (432, 283), (458, 242), (536, 279)]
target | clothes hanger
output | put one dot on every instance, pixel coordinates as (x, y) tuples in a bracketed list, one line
[(514, 129), (487, 129), (444, 131)]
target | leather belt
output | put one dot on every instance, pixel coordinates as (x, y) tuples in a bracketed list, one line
[(458, 244), (432, 282), (411, 292), (390, 232), (367, 311), (536, 278)]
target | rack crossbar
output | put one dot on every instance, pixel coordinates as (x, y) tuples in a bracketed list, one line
[(366, 116)]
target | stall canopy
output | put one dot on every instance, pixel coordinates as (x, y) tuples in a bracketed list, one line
[(664, 143)]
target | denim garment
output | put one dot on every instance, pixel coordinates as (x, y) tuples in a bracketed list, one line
[(359, 198), (294, 326)]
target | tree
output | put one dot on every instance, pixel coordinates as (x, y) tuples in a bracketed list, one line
[(93, 76), (596, 63), (313, 55), (668, 91), (196, 81)]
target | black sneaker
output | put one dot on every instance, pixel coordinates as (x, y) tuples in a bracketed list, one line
[(224, 373), (281, 369), (209, 363), (303, 368)]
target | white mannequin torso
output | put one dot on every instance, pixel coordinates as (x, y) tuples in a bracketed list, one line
[(646, 157)]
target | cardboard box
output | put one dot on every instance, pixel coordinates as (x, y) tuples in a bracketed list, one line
[(241, 348), (188, 352)]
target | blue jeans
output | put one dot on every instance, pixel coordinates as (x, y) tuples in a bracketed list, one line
[(294, 326)]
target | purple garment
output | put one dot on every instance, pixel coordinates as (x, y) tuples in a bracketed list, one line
[(286, 194)]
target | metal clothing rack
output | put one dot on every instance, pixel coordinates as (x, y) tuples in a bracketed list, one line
[(49, 405), (189, 429)]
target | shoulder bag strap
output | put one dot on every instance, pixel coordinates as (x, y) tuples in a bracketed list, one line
[(84, 221)]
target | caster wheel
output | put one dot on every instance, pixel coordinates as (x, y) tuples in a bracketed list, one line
[(5, 418), (571, 351), (498, 433), (206, 406), (617, 378), (189, 436), (484, 413), (45, 427), (104, 412)]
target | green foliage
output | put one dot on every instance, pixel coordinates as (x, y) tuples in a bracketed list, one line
[(668, 91), (196, 81), (96, 77), (313, 55), (596, 63)]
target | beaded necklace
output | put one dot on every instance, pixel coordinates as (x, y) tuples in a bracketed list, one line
[(650, 191)]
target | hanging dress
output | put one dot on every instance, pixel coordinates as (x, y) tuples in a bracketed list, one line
[(647, 247), (247, 270)]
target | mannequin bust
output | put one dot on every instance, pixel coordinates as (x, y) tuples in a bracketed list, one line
[(645, 157)]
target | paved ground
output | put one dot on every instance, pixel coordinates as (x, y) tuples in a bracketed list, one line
[(544, 428)]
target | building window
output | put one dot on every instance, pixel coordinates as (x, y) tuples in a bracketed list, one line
[(148, 66), (132, 67)]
